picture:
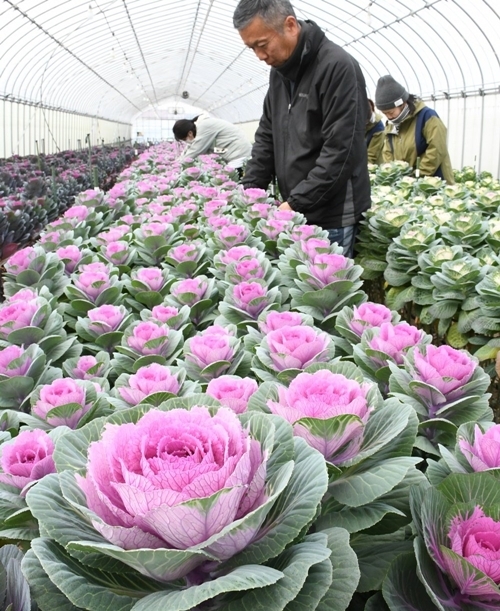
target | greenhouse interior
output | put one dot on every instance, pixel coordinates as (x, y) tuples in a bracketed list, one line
[(250, 305)]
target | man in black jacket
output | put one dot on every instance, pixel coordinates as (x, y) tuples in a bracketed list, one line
[(311, 135)]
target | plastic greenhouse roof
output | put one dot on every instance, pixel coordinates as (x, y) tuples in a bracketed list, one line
[(117, 58)]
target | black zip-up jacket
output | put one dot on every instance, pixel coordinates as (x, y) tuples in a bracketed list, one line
[(311, 135)]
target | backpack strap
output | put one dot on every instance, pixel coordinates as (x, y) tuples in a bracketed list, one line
[(420, 142), (422, 117), (378, 127)]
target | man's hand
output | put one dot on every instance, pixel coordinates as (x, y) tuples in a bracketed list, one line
[(284, 206)]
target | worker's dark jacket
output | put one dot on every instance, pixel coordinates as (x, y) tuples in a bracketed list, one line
[(311, 135)]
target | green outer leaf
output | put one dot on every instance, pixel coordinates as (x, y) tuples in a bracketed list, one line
[(376, 603), (283, 449), (153, 563), (55, 516), (243, 578), (345, 571), (16, 588), (317, 584), (359, 488), (83, 586), (46, 594), (295, 508), (15, 390), (375, 554), (355, 519), (329, 427), (295, 563), (436, 584), (383, 426), (401, 590), (71, 449), (482, 488)]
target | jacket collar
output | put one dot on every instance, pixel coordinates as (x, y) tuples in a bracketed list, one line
[(310, 38)]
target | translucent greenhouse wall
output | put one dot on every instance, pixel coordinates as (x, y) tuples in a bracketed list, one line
[(473, 123), (28, 129)]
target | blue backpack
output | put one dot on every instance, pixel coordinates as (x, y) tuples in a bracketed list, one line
[(420, 142), (378, 127)]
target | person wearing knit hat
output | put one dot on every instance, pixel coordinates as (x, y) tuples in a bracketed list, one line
[(389, 93), (414, 132)]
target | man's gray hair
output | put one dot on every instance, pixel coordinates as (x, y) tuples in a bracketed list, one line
[(272, 12)]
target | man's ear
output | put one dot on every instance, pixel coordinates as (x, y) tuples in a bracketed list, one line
[(291, 26)]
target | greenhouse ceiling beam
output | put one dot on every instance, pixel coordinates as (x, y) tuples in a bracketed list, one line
[(202, 30), (60, 44), (179, 85), (484, 36), (122, 50), (140, 50), (17, 100)]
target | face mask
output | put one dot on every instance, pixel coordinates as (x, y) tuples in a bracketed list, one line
[(402, 116)]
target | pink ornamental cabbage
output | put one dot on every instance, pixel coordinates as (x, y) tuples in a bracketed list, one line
[(324, 268), (302, 232), (71, 256), (444, 368), (184, 252), (395, 340), (79, 213), (324, 395), (113, 235), (27, 458), (245, 292), (208, 348), (22, 295), (190, 291), (64, 391), (20, 261), (273, 228), (253, 195), (92, 284), (96, 267), (238, 253), (8, 365), (154, 229), (164, 313), (83, 366), (16, 315), (232, 391), (233, 234), (218, 330), (276, 320), (476, 538), (314, 247), (217, 222), (117, 252), (297, 347), (145, 481), (248, 269), (283, 215), (484, 453), (148, 380), (260, 211), (367, 316), (106, 318), (214, 207), (152, 277), (143, 336)]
